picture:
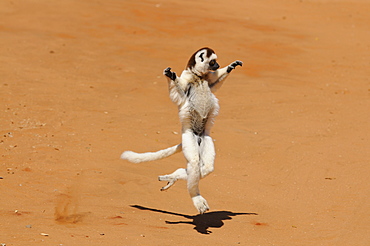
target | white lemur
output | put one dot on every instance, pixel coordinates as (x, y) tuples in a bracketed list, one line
[(198, 107)]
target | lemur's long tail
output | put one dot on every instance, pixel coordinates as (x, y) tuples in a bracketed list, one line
[(150, 156)]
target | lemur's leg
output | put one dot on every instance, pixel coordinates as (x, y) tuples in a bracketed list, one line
[(216, 78), (207, 156), (191, 150)]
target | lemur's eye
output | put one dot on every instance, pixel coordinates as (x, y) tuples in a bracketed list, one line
[(212, 63)]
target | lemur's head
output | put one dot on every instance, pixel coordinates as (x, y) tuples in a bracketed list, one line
[(202, 61)]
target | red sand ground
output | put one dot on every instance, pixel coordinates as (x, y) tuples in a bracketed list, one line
[(81, 81)]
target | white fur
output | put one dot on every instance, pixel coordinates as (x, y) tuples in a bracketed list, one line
[(192, 92), (150, 156)]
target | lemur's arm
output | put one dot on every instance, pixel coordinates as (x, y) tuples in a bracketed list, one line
[(216, 78), (177, 93)]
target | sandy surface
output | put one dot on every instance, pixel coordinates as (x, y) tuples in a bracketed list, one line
[(81, 81)]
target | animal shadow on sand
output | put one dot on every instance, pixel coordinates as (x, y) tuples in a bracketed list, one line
[(201, 221)]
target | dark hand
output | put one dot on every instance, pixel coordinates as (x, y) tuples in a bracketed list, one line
[(169, 73), (233, 65)]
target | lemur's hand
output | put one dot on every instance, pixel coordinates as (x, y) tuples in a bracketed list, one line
[(233, 65), (169, 73)]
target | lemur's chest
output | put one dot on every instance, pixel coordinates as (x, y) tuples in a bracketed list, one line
[(200, 98)]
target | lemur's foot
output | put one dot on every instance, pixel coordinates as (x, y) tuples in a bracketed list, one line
[(201, 204), (234, 65), (169, 73), (170, 181)]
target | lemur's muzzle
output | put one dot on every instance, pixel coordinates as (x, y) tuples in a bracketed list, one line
[(214, 67)]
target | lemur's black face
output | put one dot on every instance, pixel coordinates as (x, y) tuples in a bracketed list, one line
[(213, 65)]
